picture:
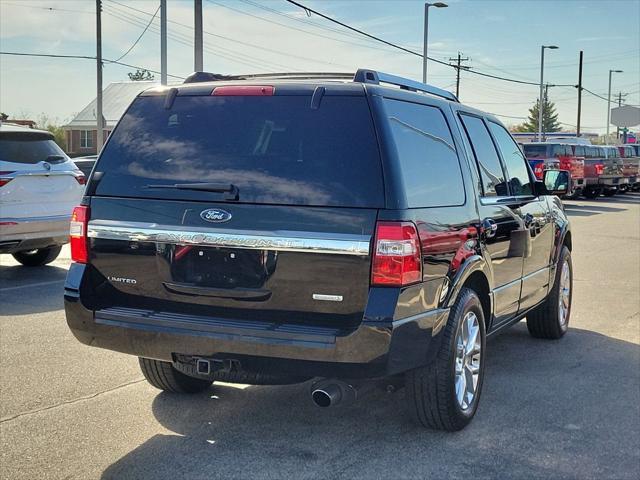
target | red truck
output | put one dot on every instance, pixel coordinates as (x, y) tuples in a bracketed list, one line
[(557, 156), (630, 166), (602, 170)]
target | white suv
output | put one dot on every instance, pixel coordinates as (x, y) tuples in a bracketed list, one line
[(39, 186)]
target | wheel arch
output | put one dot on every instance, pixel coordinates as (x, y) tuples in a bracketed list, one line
[(474, 275)]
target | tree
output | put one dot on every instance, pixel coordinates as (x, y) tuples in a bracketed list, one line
[(549, 118), (140, 74), (47, 123)]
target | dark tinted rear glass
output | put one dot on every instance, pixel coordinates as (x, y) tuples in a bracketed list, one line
[(535, 151), (275, 149), (29, 148), (426, 154)]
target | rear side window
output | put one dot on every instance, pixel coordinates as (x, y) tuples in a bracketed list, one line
[(426, 154), (29, 149), (489, 165), (580, 151), (274, 149), (519, 179)]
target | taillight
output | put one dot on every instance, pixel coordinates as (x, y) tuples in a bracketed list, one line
[(244, 90), (5, 179), (78, 234), (538, 170), (599, 168), (80, 178), (396, 255)]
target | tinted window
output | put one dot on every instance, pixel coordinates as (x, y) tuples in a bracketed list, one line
[(519, 179), (486, 155), (275, 149), (580, 151), (427, 157), (535, 151), (29, 148)]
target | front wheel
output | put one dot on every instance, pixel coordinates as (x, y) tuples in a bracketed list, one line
[(590, 193), (610, 193), (551, 318), (39, 257), (444, 395)]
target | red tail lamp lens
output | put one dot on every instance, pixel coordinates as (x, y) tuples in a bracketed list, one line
[(78, 234), (397, 256)]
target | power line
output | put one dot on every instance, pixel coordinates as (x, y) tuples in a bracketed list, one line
[(240, 42), (399, 47), (85, 57), (141, 35)]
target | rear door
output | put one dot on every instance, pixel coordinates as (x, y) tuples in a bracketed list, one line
[(505, 241), (247, 208), (38, 179), (535, 218)]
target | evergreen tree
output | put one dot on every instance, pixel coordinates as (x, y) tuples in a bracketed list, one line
[(140, 75), (549, 118)]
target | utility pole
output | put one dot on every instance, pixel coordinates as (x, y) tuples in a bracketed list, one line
[(579, 94), (99, 117), (544, 102), (459, 65), (163, 42), (620, 95), (197, 40)]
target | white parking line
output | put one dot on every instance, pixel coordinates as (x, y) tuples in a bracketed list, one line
[(41, 284)]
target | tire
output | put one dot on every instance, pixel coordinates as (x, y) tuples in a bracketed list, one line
[(431, 390), (39, 257), (546, 320), (610, 193), (163, 376), (256, 378), (590, 193)]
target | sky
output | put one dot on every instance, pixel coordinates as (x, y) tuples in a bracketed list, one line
[(501, 38)]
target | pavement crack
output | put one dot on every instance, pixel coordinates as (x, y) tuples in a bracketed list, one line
[(69, 402)]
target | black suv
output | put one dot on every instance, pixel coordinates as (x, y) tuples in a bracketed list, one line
[(272, 229)]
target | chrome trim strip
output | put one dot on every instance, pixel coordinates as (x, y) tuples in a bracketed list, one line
[(282, 240), (50, 218)]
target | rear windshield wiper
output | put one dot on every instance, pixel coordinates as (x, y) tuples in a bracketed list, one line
[(54, 158), (229, 188)]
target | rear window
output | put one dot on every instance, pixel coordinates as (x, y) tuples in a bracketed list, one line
[(535, 151), (274, 149), (29, 148), (426, 154)]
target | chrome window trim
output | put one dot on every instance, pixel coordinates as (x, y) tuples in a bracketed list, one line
[(282, 240)]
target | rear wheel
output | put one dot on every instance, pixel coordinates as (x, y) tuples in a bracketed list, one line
[(39, 257), (610, 193), (162, 375), (444, 395), (551, 319)]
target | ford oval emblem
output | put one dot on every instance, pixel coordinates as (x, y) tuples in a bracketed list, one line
[(215, 215)]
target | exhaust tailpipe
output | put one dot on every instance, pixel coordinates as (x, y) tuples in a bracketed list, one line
[(331, 392)]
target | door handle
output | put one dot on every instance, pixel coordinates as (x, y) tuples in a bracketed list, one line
[(488, 228)]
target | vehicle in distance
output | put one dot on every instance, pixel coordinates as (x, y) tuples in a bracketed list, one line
[(39, 186), (85, 164), (630, 165), (337, 228), (547, 155)]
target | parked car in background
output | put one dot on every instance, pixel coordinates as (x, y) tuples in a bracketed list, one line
[(271, 247), (39, 186), (85, 164), (547, 156), (630, 165), (612, 178)]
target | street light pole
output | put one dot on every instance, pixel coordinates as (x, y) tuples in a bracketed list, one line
[(197, 40), (541, 98), (609, 102), (99, 117), (163, 42), (426, 35)]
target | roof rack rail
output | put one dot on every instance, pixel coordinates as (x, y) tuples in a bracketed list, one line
[(197, 77), (371, 76)]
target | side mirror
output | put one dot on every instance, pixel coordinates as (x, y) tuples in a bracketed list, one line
[(556, 182)]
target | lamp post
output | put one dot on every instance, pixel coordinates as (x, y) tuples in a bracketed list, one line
[(541, 97), (426, 34), (609, 101)]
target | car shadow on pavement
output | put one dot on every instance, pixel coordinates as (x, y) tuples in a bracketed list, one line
[(550, 409), (25, 290)]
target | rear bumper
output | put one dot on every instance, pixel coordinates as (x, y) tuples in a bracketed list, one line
[(613, 181), (19, 234), (375, 348)]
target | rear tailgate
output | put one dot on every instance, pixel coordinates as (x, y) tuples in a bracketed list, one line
[(285, 238)]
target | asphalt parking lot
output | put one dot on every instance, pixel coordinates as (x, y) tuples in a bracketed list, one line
[(550, 409)]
